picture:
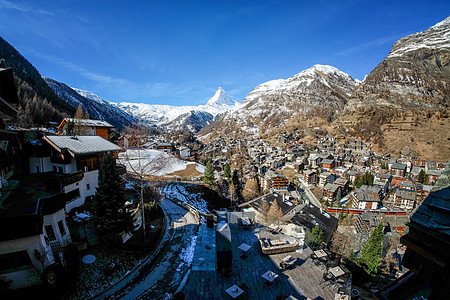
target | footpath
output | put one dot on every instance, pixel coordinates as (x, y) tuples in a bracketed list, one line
[(161, 273)]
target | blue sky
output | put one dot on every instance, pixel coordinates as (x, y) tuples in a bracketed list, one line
[(179, 52)]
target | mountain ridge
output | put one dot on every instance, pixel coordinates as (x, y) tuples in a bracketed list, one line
[(167, 116)]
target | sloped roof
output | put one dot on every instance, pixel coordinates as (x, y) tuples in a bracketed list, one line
[(327, 161), (331, 187), (89, 122), (398, 166), (368, 193), (406, 194), (434, 212), (81, 145), (341, 181)]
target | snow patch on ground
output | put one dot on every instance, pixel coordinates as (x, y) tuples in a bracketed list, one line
[(200, 168), (178, 192), (153, 162), (187, 254)]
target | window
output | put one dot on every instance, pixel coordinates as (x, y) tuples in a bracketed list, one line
[(14, 260), (54, 169), (37, 169), (61, 228), (60, 169), (50, 232), (88, 186)]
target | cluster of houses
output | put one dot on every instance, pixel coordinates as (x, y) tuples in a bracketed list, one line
[(332, 166)]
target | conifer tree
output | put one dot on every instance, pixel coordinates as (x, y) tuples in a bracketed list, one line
[(237, 184), (422, 176), (369, 257), (208, 178), (227, 172), (111, 213)]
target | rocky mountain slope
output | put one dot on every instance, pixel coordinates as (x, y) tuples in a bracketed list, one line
[(96, 107), (415, 74), (403, 104), (320, 89)]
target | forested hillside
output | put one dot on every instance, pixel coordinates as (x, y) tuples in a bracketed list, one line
[(38, 104)]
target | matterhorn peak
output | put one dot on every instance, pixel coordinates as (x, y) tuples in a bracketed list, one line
[(221, 98)]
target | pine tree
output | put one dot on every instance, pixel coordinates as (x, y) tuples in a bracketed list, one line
[(237, 184), (208, 178), (339, 196), (318, 234), (111, 213), (227, 172), (422, 176), (369, 257)]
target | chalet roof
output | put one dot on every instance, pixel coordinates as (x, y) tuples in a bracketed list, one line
[(327, 161), (341, 181), (81, 145), (434, 212), (269, 199), (434, 172), (352, 172), (309, 172), (331, 187), (384, 175), (406, 194), (324, 174), (310, 215), (89, 122), (398, 166), (406, 184), (368, 193)]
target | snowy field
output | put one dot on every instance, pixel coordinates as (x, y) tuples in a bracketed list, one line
[(153, 162)]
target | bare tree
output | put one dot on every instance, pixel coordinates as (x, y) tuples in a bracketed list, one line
[(251, 189), (274, 214), (142, 166)]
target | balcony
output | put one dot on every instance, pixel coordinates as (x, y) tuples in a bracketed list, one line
[(71, 178)]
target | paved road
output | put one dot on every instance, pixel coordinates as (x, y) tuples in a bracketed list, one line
[(312, 199), (162, 275)]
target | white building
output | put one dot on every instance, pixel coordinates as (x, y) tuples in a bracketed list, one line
[(185, 152), (31, 237), (33, 230), (74, 161)]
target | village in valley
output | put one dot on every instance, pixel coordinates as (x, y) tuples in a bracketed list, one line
[(234, 218)]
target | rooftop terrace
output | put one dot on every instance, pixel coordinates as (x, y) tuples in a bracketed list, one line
[(301, 280)]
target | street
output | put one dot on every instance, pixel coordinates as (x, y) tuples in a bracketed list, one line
[(160, 276)]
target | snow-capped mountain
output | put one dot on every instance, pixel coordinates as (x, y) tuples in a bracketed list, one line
[(321, 90), (415, 74), (303, 90), (98, 109), (165, 117), (176, 117), (90, 95)]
